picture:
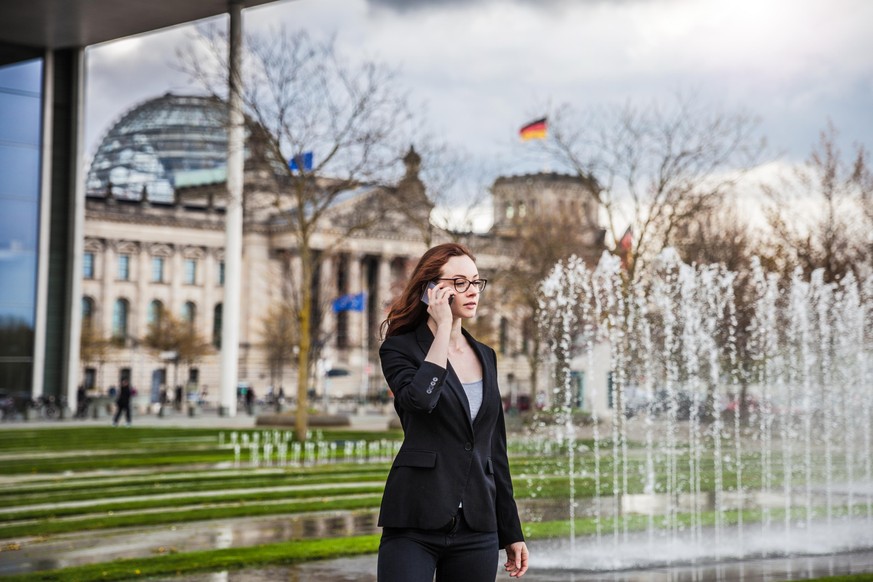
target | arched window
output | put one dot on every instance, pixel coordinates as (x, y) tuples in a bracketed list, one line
[(155, 313), (87, 312), (189, 312), (216, 325), (119, 319)]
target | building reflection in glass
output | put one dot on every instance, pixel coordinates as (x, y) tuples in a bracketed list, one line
[(20, 129)]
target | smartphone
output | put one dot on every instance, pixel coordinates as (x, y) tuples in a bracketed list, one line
[(431, 285)]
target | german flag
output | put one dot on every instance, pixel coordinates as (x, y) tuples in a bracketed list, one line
[(533, 130)]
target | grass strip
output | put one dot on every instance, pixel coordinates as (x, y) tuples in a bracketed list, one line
[(182, 501), (59, 495), (866, 577), (283, 553), (200, 514)]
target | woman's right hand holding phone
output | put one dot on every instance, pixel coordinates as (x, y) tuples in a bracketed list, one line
[(440, 304)]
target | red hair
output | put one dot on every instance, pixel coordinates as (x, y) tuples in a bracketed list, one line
[(408, 310)]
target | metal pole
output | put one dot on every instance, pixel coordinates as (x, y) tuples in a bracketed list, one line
[(45, 204), (234, 219)]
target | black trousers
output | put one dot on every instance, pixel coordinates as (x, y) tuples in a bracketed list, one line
[(122, 407), (456, 554)]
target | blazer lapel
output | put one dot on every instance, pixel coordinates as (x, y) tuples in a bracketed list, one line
[(425, 340)]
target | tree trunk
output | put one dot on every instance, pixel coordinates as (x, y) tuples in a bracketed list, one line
[(301, 419)]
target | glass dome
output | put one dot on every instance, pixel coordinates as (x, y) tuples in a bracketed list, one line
[(140, 157)]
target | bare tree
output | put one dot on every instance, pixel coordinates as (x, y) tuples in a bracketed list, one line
[(168, 333), (657, 166), (351, 118), (279, 336), (94, 347), (821, 214), (723, 235)]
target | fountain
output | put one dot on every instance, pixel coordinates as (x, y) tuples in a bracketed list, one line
[(680, 475)]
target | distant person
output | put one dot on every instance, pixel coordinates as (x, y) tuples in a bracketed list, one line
[(280, 399), (123, 402), (250, 400), (177, 400), (81, 402)]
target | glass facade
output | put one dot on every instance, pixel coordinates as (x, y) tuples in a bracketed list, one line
[(160, 145), (20, 144), (142, 154)]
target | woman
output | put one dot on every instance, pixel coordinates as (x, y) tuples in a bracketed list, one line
[(448, 504)]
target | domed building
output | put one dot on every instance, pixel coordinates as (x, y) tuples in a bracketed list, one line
[(160, 145), (154, 245), (141, 155)]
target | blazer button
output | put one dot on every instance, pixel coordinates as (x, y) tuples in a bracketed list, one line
[(435, 380), (429, 390), (468, 446)]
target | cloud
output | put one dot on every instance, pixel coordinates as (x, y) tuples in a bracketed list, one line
[(406, 6), (479, 68)]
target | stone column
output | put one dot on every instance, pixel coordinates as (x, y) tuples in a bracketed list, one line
[(141, 269), (327, 291), (383, 286), (106, 277), (176, 268), (256, 300), (355, 318), (210, 281)]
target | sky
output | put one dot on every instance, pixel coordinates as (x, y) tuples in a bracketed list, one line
[(480, 69)]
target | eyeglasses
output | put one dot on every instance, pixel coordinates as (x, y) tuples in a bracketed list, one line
[(461, 284)]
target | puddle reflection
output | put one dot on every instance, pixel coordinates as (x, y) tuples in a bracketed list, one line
[(82, 549)]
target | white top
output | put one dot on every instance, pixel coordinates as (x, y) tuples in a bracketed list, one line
[(474, 396)]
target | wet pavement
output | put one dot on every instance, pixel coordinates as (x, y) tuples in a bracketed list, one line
[(89, 547), (363, 569)]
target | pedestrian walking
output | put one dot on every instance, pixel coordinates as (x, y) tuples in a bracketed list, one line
[(448, 505), (122, 403)]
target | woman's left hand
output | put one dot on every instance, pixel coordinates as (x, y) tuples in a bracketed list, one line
[(516, 559)]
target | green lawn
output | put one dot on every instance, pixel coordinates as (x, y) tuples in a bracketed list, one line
[(72, 479)]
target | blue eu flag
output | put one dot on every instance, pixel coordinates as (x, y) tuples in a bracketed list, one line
[(353, 302), (303, 160)]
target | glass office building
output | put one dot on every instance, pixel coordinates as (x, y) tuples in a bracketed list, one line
[(42, 186), (20, 151)]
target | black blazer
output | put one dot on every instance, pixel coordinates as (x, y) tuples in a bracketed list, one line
[(446, 457)]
